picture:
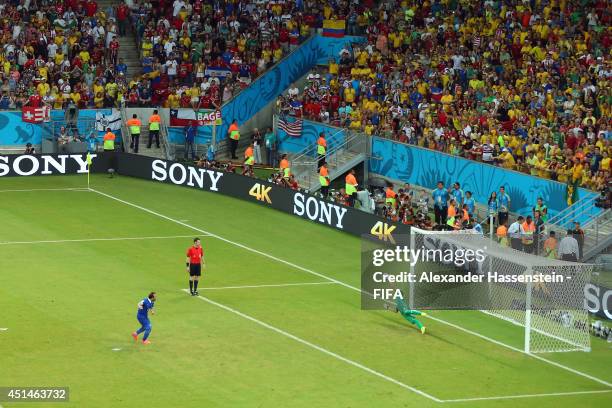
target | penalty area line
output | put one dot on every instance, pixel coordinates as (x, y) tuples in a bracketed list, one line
[(44, 189), (280, 285), (346, 285), (61, 241), (552, 394), (318, 348)]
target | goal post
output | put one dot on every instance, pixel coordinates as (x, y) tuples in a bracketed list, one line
[(542, 296)]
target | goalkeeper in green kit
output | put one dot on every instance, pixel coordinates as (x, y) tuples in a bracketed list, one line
[(408, 314)]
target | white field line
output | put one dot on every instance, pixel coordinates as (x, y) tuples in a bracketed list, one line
[(319, 348), (61, 241), (580, 373), (44, 189), (552, 394), (281, 285)]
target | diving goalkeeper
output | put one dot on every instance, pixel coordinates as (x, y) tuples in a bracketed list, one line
[(408, 314)]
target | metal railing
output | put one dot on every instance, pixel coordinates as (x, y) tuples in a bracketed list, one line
[(582, 208), (306, 167), (126, 137), (167, 151)]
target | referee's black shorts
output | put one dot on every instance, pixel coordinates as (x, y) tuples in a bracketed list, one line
[(195, 269)]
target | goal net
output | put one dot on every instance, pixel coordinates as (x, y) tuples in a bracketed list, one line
[(542, 296)]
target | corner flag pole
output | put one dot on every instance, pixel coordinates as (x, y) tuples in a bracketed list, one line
[(88, 168)]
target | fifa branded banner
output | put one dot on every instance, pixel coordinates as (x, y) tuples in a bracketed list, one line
[(297, 203)]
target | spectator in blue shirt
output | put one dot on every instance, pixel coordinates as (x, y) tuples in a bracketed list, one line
[(190, 134), (121, 67), (470, 202), (440, 197), (492, 206), (457, 194), (503, 202)]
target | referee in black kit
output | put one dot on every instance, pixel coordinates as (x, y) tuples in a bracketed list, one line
[(195, 262)]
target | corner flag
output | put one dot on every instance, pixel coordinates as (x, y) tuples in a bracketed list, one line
[(89, 160)]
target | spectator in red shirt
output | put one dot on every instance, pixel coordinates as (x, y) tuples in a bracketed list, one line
[(90, 8), (123, 12)]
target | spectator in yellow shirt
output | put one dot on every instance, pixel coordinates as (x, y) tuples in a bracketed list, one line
[(507, 159)]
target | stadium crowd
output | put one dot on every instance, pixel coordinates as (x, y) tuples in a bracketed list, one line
[(519, 84), (200, 54), (456, 210), (194, 53), (56, 52)]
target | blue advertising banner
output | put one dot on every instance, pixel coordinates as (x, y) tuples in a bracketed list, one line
[(309, 137), (14, 132), (425, 168)]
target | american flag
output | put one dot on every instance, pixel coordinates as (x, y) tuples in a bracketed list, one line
[(293, 129)]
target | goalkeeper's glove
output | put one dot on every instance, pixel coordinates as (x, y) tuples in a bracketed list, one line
[(423, 314)]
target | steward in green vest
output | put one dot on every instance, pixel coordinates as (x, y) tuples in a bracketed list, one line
[(234, 136), (390, 196), (324, 179), (109, 140), (541, 207)]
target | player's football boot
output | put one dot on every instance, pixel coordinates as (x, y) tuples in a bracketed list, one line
[(145, 342), (423, 330), (135, 336)]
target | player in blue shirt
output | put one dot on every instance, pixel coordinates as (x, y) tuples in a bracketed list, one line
[(142, 315)]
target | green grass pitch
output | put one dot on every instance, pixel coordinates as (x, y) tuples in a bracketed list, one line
[(68, 307)]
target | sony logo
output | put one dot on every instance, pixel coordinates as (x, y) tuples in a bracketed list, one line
[(184, 175), (597, 299), (318, 210), (27, 165)]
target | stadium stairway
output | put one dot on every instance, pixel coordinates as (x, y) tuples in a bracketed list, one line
[(160, 153), (339, 159), (128, 48), (144, 150)]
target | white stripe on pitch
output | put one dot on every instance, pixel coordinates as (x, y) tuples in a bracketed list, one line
[(44, 189), (281, 285), (303, 269), (318, 348), (61, 241), (552, 394)]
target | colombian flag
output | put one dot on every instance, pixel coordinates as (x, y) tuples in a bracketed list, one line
[(334, 28)]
